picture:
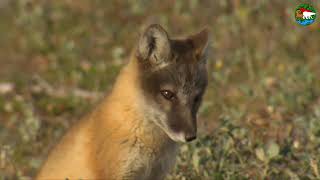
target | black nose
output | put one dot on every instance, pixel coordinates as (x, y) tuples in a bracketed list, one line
[(190, 137)]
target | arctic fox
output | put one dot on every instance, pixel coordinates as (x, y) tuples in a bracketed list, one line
[(133, 133)]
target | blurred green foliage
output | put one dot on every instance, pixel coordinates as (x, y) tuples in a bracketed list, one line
[(260, 118)]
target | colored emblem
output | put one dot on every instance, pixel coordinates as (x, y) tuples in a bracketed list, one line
[(305, 14)]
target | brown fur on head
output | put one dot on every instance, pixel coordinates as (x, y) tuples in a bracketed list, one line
[(173, 78)]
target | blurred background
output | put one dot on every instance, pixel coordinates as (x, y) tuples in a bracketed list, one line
[(260, 118)]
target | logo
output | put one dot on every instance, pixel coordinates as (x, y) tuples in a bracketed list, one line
[(305, 14)]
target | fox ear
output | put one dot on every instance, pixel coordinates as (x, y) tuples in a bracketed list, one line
[(200, 42), (154, 45)]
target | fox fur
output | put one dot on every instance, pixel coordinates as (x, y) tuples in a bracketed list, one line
[(120, 139)]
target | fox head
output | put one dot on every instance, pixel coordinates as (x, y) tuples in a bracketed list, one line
[(173, 78)]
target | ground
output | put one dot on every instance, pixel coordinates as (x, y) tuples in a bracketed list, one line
[(261, 114)]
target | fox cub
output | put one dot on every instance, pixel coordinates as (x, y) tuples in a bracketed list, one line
[(134, 132)]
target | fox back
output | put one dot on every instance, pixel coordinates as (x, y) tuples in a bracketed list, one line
[(133, 133)]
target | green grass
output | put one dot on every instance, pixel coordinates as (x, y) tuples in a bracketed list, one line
[(261, 114)]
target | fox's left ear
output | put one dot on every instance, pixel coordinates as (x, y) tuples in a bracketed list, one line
[(154, 46), (200, 42)]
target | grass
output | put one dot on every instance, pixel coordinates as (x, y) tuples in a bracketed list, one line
[(261, 115)]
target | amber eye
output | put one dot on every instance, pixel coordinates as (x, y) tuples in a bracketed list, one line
[(167, 94)]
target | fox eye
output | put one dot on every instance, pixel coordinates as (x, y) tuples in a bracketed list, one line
[(169, 95)]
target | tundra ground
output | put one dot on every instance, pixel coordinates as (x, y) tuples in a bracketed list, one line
[(261, 113)]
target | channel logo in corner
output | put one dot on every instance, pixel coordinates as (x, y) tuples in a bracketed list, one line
[(305, 14)]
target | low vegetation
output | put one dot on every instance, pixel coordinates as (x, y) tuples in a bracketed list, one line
[(261, 114)]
